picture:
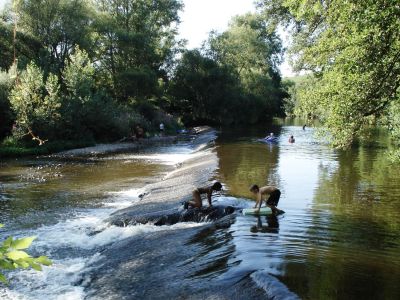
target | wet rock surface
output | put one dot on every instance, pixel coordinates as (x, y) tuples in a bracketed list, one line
[(170, 265), (170, 189), (173, 216)]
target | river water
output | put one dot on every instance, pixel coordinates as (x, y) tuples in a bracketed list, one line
[(338, 239)]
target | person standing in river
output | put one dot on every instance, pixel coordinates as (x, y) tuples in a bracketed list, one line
[(273, 199), (197, 202)]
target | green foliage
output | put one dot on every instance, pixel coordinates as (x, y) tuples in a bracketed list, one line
[(58, 26), (92, 70), (13, 256), (253, 53), (391, 119), (235, 80), (6, 114), (26, 46), (201, 89), (289, 103), (138, 44), (36, 101), (12, 147), (353, 50), (294, 88)]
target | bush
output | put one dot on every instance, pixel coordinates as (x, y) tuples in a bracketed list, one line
[(13, 257), (36, 102)]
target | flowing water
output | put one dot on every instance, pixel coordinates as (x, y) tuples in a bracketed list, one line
[(339, 237)]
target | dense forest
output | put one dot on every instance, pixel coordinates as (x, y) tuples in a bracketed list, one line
[(74, 70)]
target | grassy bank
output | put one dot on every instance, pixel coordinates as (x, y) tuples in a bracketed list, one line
[(11, 149)]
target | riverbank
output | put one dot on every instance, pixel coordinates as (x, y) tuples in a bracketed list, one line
[(86, 148), (16, 150)]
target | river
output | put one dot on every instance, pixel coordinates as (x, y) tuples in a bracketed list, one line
[(338, 239)]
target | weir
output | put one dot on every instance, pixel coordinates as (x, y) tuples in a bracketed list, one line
[(162, 264), (173, 216)]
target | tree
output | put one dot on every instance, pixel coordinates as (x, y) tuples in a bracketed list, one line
[(203, 91), (137, 44), (353, 50), (24, 47), (253, 52), (6, 113), (58, 26), (36, 103)]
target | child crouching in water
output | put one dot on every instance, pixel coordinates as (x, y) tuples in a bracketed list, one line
[(197, 202), (273, 199)]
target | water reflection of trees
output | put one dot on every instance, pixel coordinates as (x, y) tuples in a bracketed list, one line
[(352, 242), (242, 164)]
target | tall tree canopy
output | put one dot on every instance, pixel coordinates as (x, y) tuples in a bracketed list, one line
[(137, 43), (234, 78), (57, 25), (254, 53), (353, 50)]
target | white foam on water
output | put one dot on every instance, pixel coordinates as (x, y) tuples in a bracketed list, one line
[(81, 237), (131, 193), (175, 158), (86, 231), (273, 287), (123, 199), (65, 278), (57, 282)]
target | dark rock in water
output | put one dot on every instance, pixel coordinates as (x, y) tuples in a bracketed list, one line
[(170, 217)]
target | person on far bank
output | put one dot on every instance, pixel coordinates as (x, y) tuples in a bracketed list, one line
[(273, 199), (291, 139), (139, 132), (162, 128), (197, 202)]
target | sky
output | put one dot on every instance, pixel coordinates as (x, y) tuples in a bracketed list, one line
[(199, 17)]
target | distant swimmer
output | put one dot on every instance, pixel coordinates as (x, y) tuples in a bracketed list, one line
[(291, 139), (270, 136), (197, 202), (273, 199), (304, 126)]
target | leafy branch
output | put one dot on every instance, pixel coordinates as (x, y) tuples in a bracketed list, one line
[(13, 257)]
